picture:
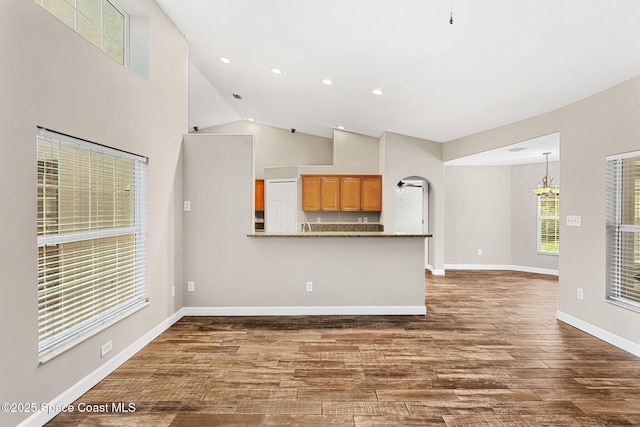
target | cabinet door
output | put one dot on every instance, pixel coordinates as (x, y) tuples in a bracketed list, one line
[(372, 193), (259, 194), (330, 198), (311, 193), (350, 198)]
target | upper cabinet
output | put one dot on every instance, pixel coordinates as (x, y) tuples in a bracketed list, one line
[(372, 193), (259, 194), (330, 193), (311, 193), (342, 193), (351, 190)]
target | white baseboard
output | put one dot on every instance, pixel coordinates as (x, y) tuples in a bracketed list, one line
[(597, 332), (70, 395), (502, 267), (434, 271), (306, 310)]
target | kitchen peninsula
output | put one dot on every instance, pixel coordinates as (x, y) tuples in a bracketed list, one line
[(238, 271)]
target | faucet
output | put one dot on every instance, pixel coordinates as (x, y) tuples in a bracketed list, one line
[(308, 226)]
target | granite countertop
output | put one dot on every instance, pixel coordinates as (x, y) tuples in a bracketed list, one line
[(308, 234)]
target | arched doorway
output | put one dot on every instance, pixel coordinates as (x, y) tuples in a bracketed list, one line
[(411, 208)]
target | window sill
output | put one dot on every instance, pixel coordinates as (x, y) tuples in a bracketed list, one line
[(57, 350)]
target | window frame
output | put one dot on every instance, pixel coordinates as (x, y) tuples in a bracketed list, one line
[(75, 27), (540, 219), (134, 288), (617, 282)]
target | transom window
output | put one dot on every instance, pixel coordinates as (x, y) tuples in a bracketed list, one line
[(100, 21), (91, 239)]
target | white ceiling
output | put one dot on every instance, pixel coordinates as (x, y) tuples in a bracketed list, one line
[(525, 152), (501, 61)]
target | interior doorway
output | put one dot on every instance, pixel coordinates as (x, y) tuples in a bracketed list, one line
[(411, 208)]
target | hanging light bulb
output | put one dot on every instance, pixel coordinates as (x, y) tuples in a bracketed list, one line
[(451, 15)]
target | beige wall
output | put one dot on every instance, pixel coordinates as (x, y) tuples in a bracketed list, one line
[(590, 129), (244, 274), (492, 208), (604, 124), (406, 156), (478, 215), (279, 147), (54, 78)]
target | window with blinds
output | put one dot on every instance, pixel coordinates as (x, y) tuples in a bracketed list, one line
[(91, 239), (623, 230), (549, 224), (100, 21)]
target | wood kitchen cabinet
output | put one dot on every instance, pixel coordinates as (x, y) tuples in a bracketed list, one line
[(259, 192), (330, 193), (342, 193), (371, 193), (350, 193), (311, 192)]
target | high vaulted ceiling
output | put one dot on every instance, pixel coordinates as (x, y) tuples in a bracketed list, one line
[(500, 61)]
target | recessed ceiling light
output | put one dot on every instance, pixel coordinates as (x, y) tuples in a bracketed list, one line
[(516, 149), (377, 92), (327, 82), (251, 120), (276, 70), (340, 127), (224, 60)]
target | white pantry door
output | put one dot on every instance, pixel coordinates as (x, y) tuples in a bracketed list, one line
[(281, 206)]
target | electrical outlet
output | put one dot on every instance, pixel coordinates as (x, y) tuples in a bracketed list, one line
[(574, 220), (106, 348), (318, 219), (366, 219), (580, 293), (187, 206), (309, 286), (173, 291), (191, 286), (359, 219), (479, 251)]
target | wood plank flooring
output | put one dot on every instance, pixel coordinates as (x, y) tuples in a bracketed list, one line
[(489, 353)]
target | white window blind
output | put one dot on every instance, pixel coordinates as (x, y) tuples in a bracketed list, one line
[(623, 230), (91, 239), (549, 224)]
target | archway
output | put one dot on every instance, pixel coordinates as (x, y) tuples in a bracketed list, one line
[(411, 208)]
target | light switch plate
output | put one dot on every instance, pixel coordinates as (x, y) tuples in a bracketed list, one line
[(187, 206), (574, 220)]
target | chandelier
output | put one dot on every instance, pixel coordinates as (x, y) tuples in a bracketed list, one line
[(547, 188)]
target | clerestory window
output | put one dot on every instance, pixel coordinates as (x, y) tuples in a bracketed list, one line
[(101, 22)]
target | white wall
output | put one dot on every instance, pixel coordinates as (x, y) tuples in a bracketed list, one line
[(52, 77)]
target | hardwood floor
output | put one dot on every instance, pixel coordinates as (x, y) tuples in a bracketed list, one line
[(489, 353)]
